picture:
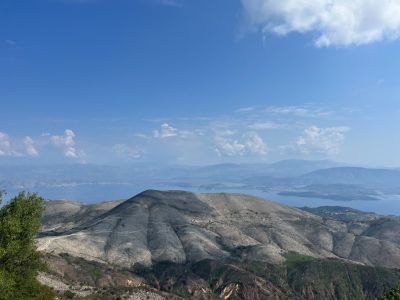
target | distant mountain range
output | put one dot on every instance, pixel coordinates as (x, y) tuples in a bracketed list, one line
[(179, 245), (353, 175), (302, 178), (87, 173)]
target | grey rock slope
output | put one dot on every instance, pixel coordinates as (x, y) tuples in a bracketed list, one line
[(180, 227), (61, 215)]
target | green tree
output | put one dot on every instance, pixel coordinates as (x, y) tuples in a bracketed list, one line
[(20, 262), (393, 294)]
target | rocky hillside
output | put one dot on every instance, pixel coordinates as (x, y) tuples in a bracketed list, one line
[(180, 227), (230, 246), (61, 215)]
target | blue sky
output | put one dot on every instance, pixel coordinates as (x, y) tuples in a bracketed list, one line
[(199, 82)]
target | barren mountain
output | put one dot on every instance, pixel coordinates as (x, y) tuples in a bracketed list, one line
[(180, 227), (61, 215)]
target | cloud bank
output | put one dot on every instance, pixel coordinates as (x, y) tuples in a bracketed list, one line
[(339, 23), (291, 132)]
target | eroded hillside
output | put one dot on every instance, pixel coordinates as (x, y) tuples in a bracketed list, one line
[(232, 246)]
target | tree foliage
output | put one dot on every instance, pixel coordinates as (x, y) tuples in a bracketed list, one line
[(393, 294), (20, 262)]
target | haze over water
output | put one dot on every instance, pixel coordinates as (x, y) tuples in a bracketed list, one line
[(93, 193)]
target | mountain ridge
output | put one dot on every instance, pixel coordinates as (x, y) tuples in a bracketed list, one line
[(179, 227)]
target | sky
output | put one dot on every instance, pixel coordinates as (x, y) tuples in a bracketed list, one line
[(199, 82)]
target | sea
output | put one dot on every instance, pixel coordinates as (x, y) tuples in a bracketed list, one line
[(94, 193)]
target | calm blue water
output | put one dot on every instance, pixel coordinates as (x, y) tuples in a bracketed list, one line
[(91, 193)]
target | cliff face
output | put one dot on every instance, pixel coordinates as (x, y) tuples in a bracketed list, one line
[(181, 227)]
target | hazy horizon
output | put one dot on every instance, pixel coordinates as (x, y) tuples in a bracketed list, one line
[(173, 164)]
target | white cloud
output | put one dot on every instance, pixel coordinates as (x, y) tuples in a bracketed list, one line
[(321, 140), (266, 125), (332, 22), (225, 132), (309, 110), (245, 109), (66, 142), (30, 146), (18, 148), (255, 144), (298, 111), (229, 147), (249, 143), (5, 145), (126, 151), (288, 110), (167, 131)]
